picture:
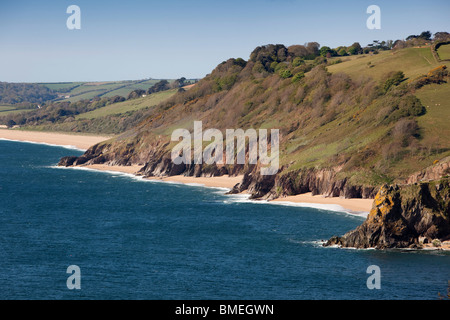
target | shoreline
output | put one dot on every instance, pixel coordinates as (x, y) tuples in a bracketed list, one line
[(77, 141), (355, 207), (358, 207)]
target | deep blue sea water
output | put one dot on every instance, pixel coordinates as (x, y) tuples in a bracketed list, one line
[(135, 239)]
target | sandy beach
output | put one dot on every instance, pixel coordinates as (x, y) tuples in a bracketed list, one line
[(217, 182), (80, 141), (355, 205)]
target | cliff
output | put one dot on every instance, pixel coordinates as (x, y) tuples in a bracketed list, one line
[(405, 216)]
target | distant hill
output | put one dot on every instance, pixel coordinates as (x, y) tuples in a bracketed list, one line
[(24, 93), (96, 107)]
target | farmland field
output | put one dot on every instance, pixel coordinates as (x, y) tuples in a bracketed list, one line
[(76, 91), (444, 52), (129, 105), (412, 61)]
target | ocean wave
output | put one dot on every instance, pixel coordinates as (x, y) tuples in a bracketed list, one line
[(320, 206), (46, 144), (245, 198), (141, 178), (313, 243)]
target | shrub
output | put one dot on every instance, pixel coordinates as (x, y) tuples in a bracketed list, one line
[(273, 66), (436, 243), (297, 77), (298, 62), (394, 78), (437, 75), (411, 106), (404, 130), (286, 73)]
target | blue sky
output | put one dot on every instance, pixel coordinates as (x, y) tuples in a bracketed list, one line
[(136, 39)]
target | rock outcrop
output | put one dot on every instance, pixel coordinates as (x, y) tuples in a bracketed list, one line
[(157, 163), (403, 217), (436, 171)]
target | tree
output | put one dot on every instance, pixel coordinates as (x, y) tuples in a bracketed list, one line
[(441, 36), (313, 49), (179, 83), (324, 51), (342, 51), (356, 48), (297, 51), (426, 35), (352, 50), (159, 86), (390, 44), (11, 123), (285, 73), (136, 94), (297, 62)]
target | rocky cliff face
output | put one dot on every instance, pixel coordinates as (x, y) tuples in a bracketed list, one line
[(317, 181), (434, 172), (157, 163), (403, 217)]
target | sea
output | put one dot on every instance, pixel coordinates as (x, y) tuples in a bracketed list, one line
[(82, 234)]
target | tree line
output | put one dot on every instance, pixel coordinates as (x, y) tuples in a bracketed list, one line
[(25, 93)]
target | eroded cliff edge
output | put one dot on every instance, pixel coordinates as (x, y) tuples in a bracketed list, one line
[(403, 216)]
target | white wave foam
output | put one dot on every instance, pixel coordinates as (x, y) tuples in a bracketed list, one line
[(245, 198), (140, 178), (314, 243), (320, 206), (46, 144)]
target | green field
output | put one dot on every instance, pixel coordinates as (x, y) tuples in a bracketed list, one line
[(412, 61), (61, 86), (6, 109), (435, 123), (444, 52), (76, 91), (129, 105)]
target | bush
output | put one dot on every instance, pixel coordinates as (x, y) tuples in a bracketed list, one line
[(297, 77), (436, 243), (298, 62), (286, 73), (404, 130), (437, 75), (411, 106), (11, 123), (394, 78)]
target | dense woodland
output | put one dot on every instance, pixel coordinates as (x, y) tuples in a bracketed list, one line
[(24, 93)]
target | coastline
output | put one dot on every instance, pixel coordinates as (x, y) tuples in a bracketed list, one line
[(359, 207), (78, 141), (83, 142)]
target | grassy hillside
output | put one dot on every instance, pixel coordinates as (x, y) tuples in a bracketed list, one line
[(370, 124), (444, 52), (76, 91), (129, 105), (412, 61)]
